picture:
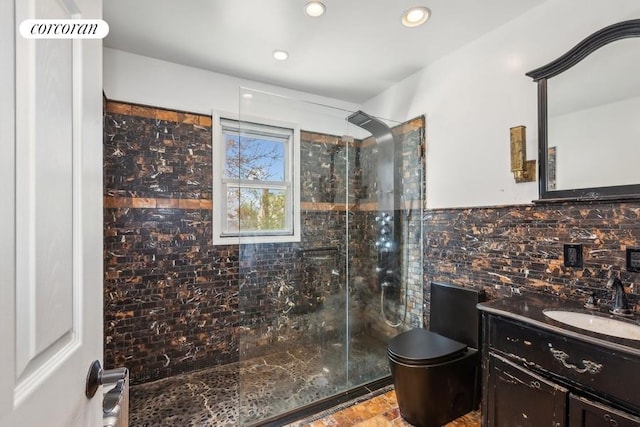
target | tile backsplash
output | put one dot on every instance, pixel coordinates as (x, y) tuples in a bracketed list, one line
[(520, 247)]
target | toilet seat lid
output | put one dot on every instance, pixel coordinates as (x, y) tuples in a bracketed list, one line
[(422, 346)]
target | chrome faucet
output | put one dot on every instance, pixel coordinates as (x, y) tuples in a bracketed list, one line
[(620, 303)]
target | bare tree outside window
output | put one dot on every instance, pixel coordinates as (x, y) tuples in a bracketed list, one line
[(254, 159), (256, 172)]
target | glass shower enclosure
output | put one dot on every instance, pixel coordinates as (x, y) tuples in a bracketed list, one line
[(325, 205)]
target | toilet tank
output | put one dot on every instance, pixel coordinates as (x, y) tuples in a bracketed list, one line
[(453, 313)]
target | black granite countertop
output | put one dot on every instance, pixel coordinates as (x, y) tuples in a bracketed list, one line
[(529, 308)]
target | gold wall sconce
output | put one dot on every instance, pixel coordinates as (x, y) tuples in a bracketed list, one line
[(523, 170)]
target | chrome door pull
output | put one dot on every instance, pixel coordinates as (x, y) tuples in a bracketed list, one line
[(113, 397)]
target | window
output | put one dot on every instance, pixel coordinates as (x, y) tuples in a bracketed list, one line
[(256, 190)]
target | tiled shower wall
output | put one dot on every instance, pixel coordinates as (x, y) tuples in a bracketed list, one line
[(174, 302), (170, 297), (521, 247)]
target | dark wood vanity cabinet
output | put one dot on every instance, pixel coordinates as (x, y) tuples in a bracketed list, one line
[(536, 378)]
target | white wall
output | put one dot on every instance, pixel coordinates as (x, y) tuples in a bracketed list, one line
[(148, 81), (473, 96)]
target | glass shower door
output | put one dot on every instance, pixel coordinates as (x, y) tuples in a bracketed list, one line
[(314, 318), (292, 332)]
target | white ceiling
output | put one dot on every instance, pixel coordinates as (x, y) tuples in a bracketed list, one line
[(357, 49)]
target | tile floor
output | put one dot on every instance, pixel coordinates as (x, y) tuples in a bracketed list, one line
[(379, 411)]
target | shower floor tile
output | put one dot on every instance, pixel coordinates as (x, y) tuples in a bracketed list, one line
[(256, 389)]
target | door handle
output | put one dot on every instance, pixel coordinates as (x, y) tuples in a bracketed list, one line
[(98, 376), (113, 397)]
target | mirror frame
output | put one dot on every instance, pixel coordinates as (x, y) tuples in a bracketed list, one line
[(612, 33)]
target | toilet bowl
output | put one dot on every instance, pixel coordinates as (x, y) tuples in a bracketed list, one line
[(436, 372)]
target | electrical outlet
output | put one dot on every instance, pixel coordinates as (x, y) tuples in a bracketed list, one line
[(573, 255), (633, 260)]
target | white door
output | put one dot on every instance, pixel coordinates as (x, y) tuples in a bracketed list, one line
[(50, 218)]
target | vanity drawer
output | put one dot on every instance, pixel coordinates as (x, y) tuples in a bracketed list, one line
[(585, 413), (611, 373)]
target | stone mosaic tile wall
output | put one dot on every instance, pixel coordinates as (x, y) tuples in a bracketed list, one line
[(173, 301), (155, 153), (170, 296), (289, 295), (323, 169), (500, 248)]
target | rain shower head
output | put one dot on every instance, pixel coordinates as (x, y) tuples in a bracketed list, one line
[(359, 118), (369, 123)]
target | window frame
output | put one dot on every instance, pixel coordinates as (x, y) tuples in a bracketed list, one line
[(278, 130)]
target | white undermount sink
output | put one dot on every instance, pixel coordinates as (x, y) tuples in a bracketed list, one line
[(594, 323)]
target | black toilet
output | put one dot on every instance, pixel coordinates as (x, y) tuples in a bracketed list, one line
[(436, 372)]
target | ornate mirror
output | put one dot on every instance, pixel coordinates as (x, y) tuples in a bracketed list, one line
[(589, 117)]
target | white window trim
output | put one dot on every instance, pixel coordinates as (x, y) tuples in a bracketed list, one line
[(218, 194)]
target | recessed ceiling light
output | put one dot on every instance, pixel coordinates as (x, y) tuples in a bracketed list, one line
[(415, 16), (280, 55), (247, 95), (314, 8)]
